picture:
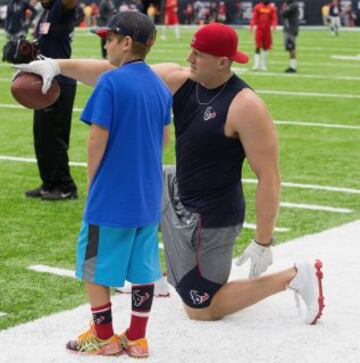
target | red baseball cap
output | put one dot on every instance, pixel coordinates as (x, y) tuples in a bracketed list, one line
[(219, 40)]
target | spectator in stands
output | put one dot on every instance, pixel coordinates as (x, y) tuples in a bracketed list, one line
[(189, 13), (221, 12)]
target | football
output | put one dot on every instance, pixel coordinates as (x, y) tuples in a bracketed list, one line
[(26, 89)]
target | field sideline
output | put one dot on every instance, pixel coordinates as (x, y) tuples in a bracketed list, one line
[(317, 115)]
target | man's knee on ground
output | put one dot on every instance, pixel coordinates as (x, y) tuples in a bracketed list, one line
[(205, 314)]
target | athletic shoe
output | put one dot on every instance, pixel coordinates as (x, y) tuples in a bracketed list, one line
[(290, 70), (36, 193), (308, 284), (161, 288), (58, 194), (135, 348), (89, 344)]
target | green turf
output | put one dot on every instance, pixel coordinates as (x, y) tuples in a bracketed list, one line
[(36, 232)]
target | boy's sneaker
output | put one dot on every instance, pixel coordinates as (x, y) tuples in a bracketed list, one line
[(89, 344), (308, 284), (135, 348)]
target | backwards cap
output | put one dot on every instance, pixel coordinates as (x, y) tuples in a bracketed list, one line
[(132, 23)]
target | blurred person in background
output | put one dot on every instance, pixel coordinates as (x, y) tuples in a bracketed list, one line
[(334, 14), (221, 12), (16, 24), (264, 18), (52, 125), (152, 12), (290, 15), (171, 18), (106, 11)]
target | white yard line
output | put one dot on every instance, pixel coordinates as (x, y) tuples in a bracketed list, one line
[(245, 180), (346, 57), (296, 75), (248, 71), (278, 122), (52, 270), (308, 94), (269, 331), (322, 208), (276, 229), (338, 65), (310, 186), (317, 124)]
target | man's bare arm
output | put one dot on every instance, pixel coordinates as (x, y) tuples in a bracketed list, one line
[(86, 71), (250, 120), (172, 74)]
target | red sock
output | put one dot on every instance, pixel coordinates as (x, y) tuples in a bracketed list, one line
[(103, 321), (142, 296)]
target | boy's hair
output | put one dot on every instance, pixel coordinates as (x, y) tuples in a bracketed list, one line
[(138, 49)]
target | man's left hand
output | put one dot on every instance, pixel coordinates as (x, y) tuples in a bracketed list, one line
[(260, 258)]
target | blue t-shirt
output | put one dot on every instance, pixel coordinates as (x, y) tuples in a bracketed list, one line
[(134, 105)]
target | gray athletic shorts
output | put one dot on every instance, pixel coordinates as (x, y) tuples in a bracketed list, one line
[(198, 259), (289, 41)]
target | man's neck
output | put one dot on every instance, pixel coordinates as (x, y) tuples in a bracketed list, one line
[(217, 81)]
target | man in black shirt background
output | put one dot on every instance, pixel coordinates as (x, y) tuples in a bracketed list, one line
[(52, 125)]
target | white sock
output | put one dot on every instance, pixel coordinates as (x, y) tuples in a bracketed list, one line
[(263, 59), (177, 31), (293, 63), (256, 61)]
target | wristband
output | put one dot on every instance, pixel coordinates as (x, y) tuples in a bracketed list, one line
[(265, 244)]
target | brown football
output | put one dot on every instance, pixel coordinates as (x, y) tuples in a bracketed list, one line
[(26, 89)]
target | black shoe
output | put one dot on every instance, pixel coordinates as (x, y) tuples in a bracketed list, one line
[(36, 193), (290, 70), (58, 194)]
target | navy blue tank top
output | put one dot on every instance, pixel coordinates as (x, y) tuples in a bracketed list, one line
[(209, 164)]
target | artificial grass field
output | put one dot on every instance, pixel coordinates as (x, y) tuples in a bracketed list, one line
[(36, 232)]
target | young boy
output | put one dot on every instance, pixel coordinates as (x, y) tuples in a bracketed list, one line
[(127, 113)]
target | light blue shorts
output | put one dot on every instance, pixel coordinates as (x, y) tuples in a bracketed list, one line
[(108, 256)]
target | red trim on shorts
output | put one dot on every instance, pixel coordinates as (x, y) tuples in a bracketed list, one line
[(198, 246)]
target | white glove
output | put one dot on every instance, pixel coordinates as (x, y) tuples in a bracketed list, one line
[(47, 68), (260, 257)]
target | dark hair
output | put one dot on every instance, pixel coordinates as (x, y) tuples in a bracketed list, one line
[(138, 49)]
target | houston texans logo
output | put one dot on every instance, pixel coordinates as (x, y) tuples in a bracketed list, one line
[(198, 298), (209, 113), (99, 320), (138, 299)]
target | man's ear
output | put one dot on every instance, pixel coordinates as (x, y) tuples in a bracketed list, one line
[(224, 62)]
